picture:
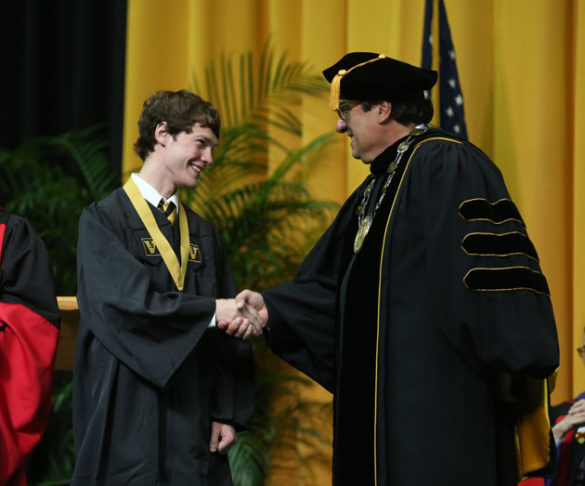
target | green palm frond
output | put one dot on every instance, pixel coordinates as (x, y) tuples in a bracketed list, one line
[(49, 180), (294, 157), (259, 91), (264, 225), (236, 163), (88, 150)]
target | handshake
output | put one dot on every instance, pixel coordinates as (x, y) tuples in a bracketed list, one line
[(242, 317)]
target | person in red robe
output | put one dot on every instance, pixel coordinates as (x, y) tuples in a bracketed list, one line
[(29, 331)]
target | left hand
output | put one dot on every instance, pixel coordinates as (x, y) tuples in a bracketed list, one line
[(223, 437)]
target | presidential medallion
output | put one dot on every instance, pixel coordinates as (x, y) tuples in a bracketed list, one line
[(362, 233), (366, 223)]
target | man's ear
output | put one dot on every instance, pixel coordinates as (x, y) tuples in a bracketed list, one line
[(161, 133), (384, 110)]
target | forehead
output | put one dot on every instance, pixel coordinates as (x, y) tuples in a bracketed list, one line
[(205, 132)]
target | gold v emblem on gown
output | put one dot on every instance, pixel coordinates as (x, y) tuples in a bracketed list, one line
[(169, 257)]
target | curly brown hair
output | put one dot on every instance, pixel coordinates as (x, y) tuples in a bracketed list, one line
[(180, 110)]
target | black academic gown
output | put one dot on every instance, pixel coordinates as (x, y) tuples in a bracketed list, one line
[(412, 333), (150, 376), (29, 332)]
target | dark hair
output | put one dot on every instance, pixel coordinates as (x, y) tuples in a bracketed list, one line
[(407, 112), (180, 110)]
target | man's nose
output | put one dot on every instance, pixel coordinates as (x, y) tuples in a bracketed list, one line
[(208, 156), (340, 126)]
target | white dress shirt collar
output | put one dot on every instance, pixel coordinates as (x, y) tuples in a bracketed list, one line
[(151, 194)]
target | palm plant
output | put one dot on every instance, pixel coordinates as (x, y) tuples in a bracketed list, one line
[(49, 180), (267, 220)]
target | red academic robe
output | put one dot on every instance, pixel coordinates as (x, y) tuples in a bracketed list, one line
[(29, 329)]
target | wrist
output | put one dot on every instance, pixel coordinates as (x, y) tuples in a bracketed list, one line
[(559, 430)]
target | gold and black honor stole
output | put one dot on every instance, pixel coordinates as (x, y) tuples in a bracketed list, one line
[(177, 271)]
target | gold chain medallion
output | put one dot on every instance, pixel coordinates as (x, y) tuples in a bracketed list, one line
[(362, 232)]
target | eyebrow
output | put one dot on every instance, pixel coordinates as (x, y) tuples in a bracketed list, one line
[(208, 140)]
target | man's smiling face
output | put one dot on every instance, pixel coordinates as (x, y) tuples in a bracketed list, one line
[(187, 154)]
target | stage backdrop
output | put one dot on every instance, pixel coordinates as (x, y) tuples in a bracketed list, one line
[(522, 70)]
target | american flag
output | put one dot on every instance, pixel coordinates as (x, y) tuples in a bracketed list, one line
[(451, 114)]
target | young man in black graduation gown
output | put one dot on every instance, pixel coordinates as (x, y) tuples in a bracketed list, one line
[(423, 307), (29, 331), (158, 388)]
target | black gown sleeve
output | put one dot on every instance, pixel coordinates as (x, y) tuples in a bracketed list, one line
[(25, 274), (151, 332), (233, 398), (302, 313), (488, 291)]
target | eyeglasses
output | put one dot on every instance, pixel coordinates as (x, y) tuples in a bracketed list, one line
[(581, 351), (345, 107)]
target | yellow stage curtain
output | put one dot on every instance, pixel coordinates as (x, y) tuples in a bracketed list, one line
[(521, 66), (575, 138)]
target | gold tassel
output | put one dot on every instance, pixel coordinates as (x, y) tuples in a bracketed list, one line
[(336, 82), (335, 89)]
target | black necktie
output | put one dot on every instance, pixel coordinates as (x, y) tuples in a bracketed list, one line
[(169, 210)]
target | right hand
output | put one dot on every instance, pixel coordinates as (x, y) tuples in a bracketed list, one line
[(250, 301), (236, 320), (573, 419)]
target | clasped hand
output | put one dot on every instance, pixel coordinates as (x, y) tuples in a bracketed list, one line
[(575, 418), (242, 317)]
